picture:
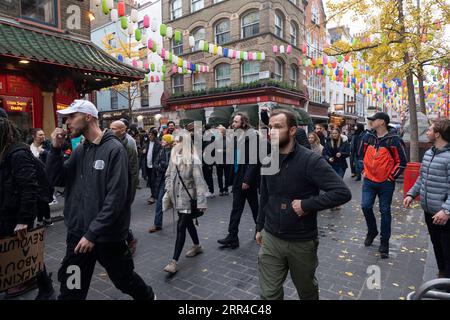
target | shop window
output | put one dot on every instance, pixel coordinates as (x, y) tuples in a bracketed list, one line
[(42, 11)]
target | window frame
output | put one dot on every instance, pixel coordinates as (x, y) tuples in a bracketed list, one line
[(222, 33), (56, 11), (176, 46), (194, 2), (176, 87), (173, 11), (250, 75), (228, 79), (293, 27), (278, 76), (279, 28), (250, 25), (201, 83), (293, 70), (197, 42)]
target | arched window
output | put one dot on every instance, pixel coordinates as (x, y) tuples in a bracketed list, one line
[(176, 9), (293, 33), (250, 25), (293, 75), (177, 47), (198, 82), (223, 75), (198, 35), (222, 32), (177, 83), (250, 71), (279, 66), (278, 25), (315, 15), (196, 5)]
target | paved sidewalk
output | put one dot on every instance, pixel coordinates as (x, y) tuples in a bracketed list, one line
[(232, 274)]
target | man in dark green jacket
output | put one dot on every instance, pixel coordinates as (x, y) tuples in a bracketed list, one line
[(287, 221)]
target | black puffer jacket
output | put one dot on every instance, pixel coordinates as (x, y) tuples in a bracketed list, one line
[(19, 191), (302, 176)]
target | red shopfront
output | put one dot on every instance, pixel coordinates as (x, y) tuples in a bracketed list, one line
[(24, 101)]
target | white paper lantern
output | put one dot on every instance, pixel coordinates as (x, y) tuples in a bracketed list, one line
[(97, 2), (220, 51), (169, 32), (180, 70), (230, 53), (281, 49), (245, 55), (144, 39), (263, 56), (191, 41), (155, 25), (189, 71), (201, 44), (211, 48), (114, 15), (134, 16), (128, 61), (174, 59), (110, 4), (140, 64), (238, 55), (159, 49), (184, 64), (130, 29)]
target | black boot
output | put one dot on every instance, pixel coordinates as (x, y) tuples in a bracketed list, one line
[(384, 249), (229, 241), (45, 285), (369, 238)]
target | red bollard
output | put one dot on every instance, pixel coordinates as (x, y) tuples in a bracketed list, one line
[(411, 174)]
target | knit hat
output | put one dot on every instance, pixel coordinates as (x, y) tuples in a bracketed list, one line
[(168, 138)]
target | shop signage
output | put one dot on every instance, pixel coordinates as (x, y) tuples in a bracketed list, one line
[(16, 104), (238, 101), (2, 84)]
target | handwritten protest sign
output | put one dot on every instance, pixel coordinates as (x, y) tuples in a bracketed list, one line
[(21, 260)]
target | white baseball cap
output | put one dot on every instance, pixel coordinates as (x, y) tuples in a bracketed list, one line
[(82, 106)]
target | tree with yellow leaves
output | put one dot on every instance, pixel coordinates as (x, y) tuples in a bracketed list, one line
[(404, 37)]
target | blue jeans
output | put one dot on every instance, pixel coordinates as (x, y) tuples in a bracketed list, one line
[(384, 191), (158, 209)]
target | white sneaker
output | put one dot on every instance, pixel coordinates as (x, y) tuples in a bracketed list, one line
[(210, 195), (171, 267)]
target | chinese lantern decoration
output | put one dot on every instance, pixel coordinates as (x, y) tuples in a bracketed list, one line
[(121, 8), (105, 8), (146, 22), (124, 22), (304, 47), (114, 15)]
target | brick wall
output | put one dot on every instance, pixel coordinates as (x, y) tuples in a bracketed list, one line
[(234, 10)]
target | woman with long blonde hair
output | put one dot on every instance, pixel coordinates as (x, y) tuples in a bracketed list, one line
[(314, 141), (184, 182)]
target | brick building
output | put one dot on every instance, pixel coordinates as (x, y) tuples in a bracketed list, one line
[(238, 25), (47, 60)]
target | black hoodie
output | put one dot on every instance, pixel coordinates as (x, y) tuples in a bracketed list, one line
[(97, 204)]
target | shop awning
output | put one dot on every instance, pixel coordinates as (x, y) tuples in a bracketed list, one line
[(24, 43), (221, 116), (189, 116)]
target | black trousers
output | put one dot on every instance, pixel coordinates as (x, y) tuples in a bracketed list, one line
[(43, 211), (43, 280), (151, 182), (208, 175), (115, 257), (184, 222), (239, 198), (223, 176), (440, 237)]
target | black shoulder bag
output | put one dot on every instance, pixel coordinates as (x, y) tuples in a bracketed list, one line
[(195, 212)]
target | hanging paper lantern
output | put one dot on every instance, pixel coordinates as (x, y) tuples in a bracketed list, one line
[(138, 34), (211, 48), (140, 64), (340, 58), (163, 69), (144, 39), (121, 8), (258, 56), (185, 71), (163, 53), (180, 70), (334, 64), (157, 78), (241, 55), (226, 52), (263, 56), (219, 50), (134, 16), (325, 61), (124, 22), (340, 73), (152, 67), (289, 49), (174, 69), (163, 30), (282, 49), (250, 56), (134, 63), (205, 46), (120, 57), (130, 29), (154, 24), (152, 78), (146, 66), (319, 61), (180, 62), (150, 44), (215, 49), (105, 8), (177, 36), (163, 78), (114, 15), (146, 22), (347, 57), (185, 64), (313, 62), (275, 49), (191, 41), (169, 32), (97, 2), (304, 47), (154, 46)]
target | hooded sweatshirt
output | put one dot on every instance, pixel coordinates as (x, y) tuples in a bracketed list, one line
[(98, 195)]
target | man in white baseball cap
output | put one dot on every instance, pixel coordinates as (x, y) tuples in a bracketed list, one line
[(97, 205)]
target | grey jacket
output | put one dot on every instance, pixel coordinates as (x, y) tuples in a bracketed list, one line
[(130, 145), (176, 196), (98, 197), (433, 184)]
